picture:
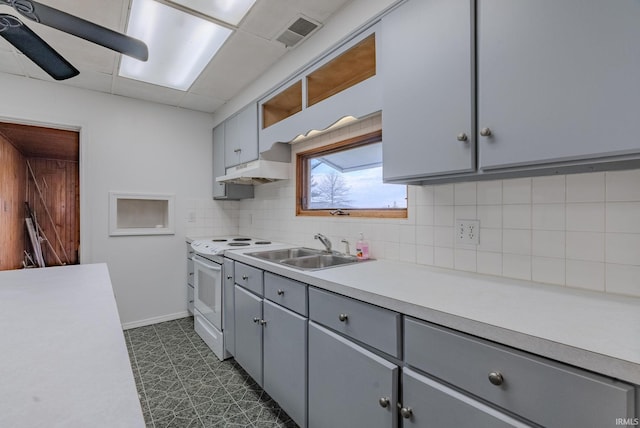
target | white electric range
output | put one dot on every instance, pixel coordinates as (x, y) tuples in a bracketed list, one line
[(209, 289)]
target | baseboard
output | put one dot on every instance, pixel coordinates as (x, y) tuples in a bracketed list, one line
[(155, 320)]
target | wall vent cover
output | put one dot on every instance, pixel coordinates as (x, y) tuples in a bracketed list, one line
[(297, 30)]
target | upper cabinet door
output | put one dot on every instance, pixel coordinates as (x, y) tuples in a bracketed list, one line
[(241, 137), (557, 80), (426, 65)]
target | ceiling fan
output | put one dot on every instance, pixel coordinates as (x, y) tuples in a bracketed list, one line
[(38, 51)]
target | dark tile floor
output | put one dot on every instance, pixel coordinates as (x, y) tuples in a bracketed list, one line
[(182, 384)]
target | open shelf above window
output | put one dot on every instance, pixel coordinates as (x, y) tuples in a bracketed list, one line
[(140, 214), (344, 71), (281, 106)]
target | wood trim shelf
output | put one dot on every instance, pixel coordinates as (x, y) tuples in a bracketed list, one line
[(286, 103), (346, 70)]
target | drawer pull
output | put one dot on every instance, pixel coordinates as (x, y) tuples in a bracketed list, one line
[(245, 277), (343, 317), (280, 292), (384, 402), (496, 378), (256, 320)]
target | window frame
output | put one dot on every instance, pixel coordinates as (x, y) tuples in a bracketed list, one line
[(302, 180)]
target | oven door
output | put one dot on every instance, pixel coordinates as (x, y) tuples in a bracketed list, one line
[(208, 290)]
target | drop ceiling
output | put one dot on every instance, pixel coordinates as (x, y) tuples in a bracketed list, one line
[(251, 50)]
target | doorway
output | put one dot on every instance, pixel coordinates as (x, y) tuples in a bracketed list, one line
[(39, 180)]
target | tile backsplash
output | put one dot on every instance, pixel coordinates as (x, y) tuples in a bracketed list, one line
[(580, 230)]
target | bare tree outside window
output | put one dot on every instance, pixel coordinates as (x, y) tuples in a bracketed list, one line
[(331, 192)]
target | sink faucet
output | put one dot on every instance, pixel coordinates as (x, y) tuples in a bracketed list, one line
[(325, 241), (347, 251)]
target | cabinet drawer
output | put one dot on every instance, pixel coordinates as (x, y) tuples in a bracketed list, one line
[(367, 323), (286, 292), (433, 404), (248, 277), (544, 391)]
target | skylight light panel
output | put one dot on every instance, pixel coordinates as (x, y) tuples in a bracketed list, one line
[(230, 11), (180, 45)]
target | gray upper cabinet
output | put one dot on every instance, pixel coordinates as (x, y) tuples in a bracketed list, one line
[(241, 137), (219, 189), (230, 191), (425, 61), (557, 80)]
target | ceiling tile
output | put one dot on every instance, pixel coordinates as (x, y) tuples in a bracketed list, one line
[(201, 103), (9, 63), (145, 91), (243, 58), (89, 79)]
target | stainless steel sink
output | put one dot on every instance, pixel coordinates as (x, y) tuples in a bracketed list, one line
[(321, 261), (289, 253), (305, 258)]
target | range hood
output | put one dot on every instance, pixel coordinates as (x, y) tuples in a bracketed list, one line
[(272, 165), (256, 172)]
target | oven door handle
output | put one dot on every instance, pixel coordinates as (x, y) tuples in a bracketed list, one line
[(215, 267)]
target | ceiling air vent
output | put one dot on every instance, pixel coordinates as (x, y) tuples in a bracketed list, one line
[(300, 28)]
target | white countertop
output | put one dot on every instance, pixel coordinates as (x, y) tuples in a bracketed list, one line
[(63, 359), (591, 330)]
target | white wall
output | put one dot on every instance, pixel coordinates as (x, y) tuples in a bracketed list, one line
[(128, 146), (576, 230)]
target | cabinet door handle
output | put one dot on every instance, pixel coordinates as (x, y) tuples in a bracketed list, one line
[(384, 402), (462, 137), (263, 322), (237, 150), (343, 317), (245, 277), (280, 292), (256, 320), (496, 378), (229, 277), (190, 273), (406, 412), (485, 132)]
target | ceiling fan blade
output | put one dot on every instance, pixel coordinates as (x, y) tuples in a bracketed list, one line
[(82, 28), (34, 48)]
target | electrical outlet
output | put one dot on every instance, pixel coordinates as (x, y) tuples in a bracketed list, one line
[(468, 232)]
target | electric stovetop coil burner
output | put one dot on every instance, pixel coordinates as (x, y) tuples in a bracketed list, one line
[(216, 246)]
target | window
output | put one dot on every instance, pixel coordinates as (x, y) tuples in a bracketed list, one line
[(345, 178)]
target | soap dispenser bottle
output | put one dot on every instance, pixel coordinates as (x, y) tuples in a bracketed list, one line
[(362, 248)]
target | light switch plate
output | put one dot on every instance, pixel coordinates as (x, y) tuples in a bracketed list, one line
[(467, 232)]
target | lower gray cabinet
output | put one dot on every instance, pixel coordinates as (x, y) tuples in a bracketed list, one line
[(285, 360), (349, 386), (427, 403), (228, 328), (248, 314)]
